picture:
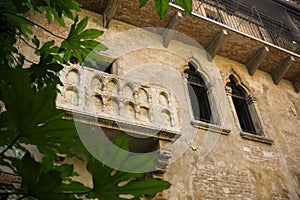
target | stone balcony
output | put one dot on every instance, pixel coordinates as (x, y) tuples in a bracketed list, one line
[(116, 103)]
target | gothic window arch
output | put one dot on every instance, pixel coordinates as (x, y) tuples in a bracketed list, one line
[(245, 110), (198, 95)]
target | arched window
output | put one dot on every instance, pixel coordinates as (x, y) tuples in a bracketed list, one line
[(198, 95), (241, 103)]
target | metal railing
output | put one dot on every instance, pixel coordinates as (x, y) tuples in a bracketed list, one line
[(248, 20)]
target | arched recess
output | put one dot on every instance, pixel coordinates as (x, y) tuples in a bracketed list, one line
[(199, 86), (128, 90), (163, 99), (72, 77), (96, 84), (96, 104), (142, 95), (129, 110), (144, 114), (112, 86), (71, 96), (113, 106), (244, 106), (166, 118)]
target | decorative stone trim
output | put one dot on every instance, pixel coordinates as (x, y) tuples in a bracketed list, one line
[(161, 164), (257, 138), (210, 127), (109, 98), (126, 126)]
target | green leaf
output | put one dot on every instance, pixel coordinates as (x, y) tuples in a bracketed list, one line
[(90, 34), (36, 41), (20, 7), (28, 169), (35, 119), (43, 73), (142, 3), (38, 3), (144, 187), (161, 7), (46, 185), (19, 23), (187, 5), (75, 187), (80, 26), (109, 183), (80, 42), (55, 9)]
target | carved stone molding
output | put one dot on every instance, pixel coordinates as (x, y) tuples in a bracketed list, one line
[(161, 164), (124, 126), (115, 102)]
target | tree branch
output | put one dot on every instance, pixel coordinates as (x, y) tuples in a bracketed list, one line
[(29, 61), (27, 43), (79, 193)]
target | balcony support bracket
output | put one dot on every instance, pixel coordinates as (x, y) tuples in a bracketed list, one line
[(169, 32), (216, 43), (297, 83), (110, 11), (279, 72), (256, 60)]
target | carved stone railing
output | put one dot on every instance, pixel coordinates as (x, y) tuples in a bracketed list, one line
[(117, 103)]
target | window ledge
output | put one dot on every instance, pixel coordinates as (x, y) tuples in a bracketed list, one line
[(210, 127), (257, 138)]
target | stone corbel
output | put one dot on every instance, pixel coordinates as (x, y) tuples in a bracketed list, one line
[(216, 43), (110, 11), (297, 83), (257, 59), (280, 70), (169, 32), (161, 164)]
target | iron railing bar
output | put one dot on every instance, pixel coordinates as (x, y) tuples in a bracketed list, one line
[(268, 28)]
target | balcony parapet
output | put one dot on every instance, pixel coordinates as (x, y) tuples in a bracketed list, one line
[(117, 103)]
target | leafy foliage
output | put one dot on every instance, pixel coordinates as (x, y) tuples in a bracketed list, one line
[(45, 184), (30, 117), (162, 6), (80, 42), (113, 183)]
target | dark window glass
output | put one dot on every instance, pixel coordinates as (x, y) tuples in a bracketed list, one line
[(198, 95), (239, 99)]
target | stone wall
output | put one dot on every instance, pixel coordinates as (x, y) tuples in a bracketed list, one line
[(206, 163)]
